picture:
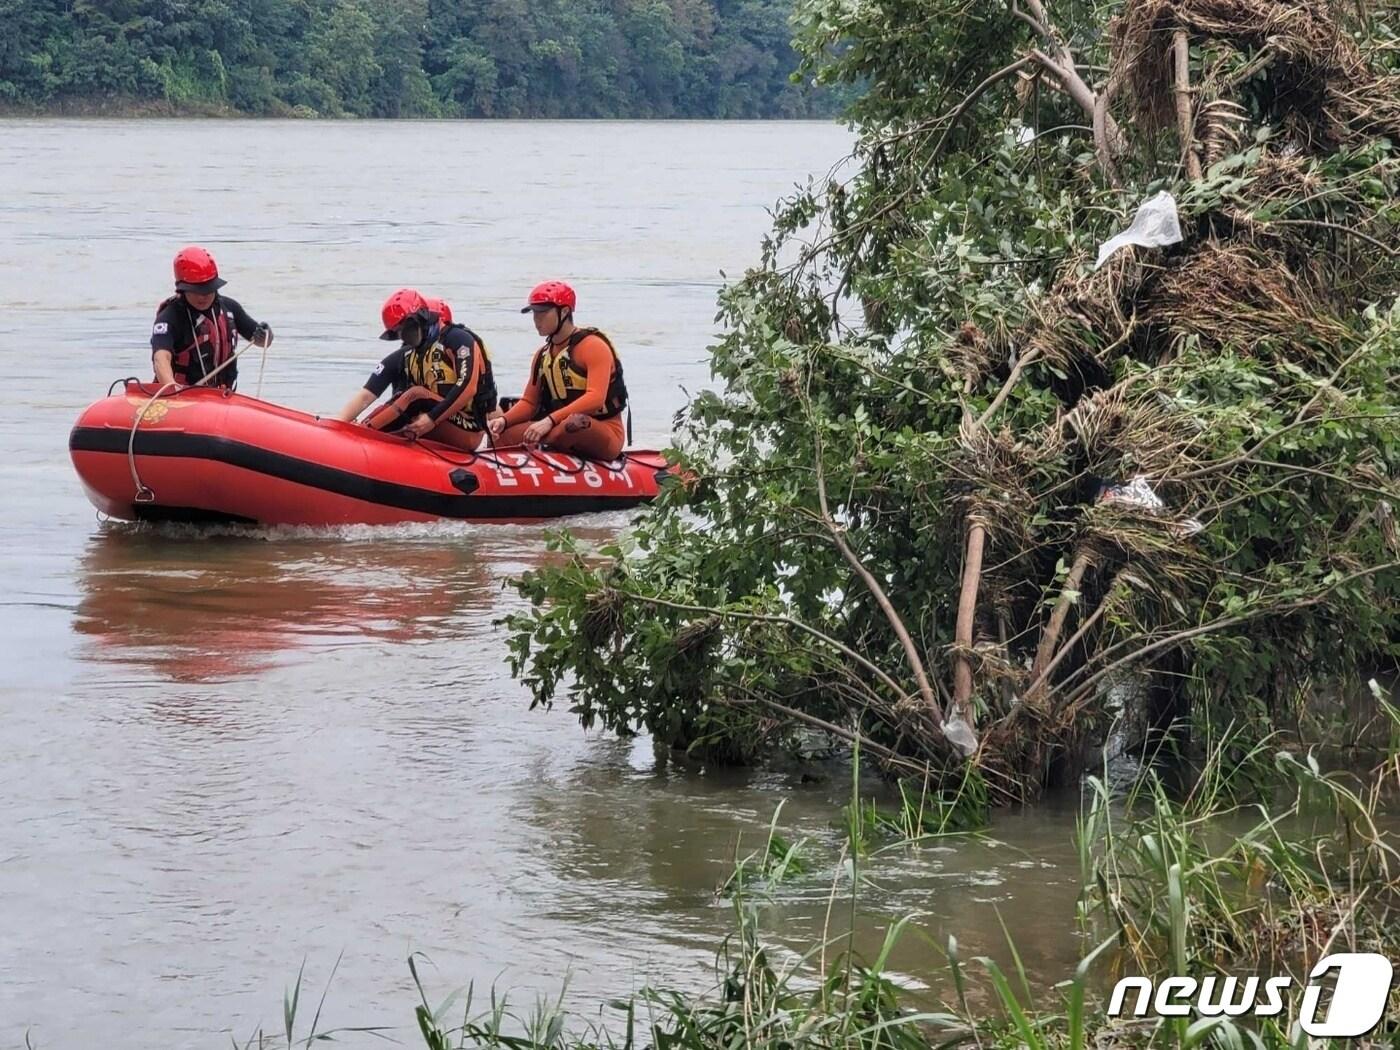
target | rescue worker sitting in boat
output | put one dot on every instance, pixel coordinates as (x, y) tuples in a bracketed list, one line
[(575, 395), (196, 330), (441, 378)]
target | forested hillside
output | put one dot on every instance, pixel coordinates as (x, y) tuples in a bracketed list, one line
[(401, 58)]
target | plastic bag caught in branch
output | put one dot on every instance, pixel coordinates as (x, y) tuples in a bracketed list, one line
[(1138, 493), (961, 735), (1155, 225)]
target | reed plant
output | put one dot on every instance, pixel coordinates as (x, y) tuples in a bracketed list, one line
[(292, 1035)]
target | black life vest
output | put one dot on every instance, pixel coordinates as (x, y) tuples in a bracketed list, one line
[(561, 382), (213, 340), (435, 367)]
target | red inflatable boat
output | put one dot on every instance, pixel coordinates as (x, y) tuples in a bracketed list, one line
[(208, 455)]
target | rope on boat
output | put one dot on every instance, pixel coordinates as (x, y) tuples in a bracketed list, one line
[(262, 366), (492, 456), (145, 494)]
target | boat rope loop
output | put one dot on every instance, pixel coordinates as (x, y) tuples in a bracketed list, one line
[(144, 494)]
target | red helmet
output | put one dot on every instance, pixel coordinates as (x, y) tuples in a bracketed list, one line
[(403, 303), (554, 293), (440, 308), (196, 271)]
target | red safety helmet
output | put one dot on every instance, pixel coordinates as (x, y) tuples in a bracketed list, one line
[(403, 303), (196, 271), (554, 293), (439, 307)]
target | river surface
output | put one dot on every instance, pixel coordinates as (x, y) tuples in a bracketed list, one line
[(226, 752)]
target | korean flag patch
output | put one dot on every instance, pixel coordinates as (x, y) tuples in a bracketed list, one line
[(161, 327)]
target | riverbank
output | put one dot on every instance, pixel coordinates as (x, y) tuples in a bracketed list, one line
[(143, 109), (128, 109)]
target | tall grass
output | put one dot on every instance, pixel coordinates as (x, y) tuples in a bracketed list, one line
[(292, 1035), (1196, 885)]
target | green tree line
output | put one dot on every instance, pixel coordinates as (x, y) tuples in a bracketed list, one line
[(408, 58)]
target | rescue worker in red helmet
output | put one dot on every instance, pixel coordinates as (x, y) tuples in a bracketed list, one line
[(441, 378), (196, 330), (439, 307), (575, 395)]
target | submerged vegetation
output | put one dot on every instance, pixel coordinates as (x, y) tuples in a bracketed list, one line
[(407, 58), (969, 497), (1174, 881)]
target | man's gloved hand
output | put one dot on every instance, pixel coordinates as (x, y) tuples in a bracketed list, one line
[(262, 335)]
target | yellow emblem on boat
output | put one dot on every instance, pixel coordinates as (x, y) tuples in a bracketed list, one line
[(155, 412)]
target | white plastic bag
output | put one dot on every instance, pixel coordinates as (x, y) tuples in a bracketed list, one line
[(1136, 493), (961, 735), (1154, 226)]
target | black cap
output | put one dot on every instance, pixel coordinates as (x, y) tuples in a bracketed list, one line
[(203, 288)]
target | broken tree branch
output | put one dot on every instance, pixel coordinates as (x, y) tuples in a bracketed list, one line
[(787, 621), (1179, 637), (1058, 60), (967, 614), (1069, 594), (1037, 684), (1181, 51), (911, 651), (976, 93), (1022, 363), (892, 758)]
